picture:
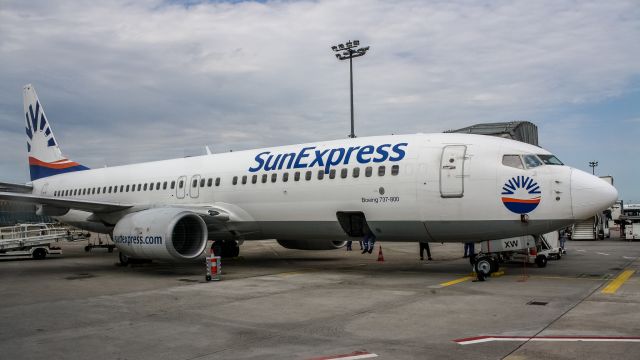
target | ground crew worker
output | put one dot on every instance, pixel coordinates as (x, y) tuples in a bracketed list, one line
[(423, 246), (369, 241)]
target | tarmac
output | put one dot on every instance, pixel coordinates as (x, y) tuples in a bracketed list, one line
[(275, 303)]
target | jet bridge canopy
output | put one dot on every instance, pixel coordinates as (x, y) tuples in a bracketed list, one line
[(523, 131)]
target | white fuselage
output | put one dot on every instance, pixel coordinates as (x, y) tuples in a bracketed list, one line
[(448, 187)]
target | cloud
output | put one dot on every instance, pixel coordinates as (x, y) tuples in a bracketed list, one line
[(132, 81)]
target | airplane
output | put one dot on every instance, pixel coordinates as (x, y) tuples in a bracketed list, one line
[(442, 187)]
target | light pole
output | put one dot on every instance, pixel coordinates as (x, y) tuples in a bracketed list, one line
[(593, 165), (349, 50)]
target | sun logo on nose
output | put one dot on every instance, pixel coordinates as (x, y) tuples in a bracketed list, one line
[(521, 194)]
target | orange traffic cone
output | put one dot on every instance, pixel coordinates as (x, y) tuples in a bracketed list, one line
[(380, 256)]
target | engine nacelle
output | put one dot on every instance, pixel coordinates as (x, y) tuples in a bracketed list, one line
[(163, 234), (311, 245)]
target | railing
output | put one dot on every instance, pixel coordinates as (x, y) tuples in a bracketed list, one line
[(25, 235)]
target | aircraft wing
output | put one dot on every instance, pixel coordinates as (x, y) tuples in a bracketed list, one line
[(15, 188), (85, 205)]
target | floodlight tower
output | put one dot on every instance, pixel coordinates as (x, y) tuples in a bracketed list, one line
[(593, 165), (349, 50)]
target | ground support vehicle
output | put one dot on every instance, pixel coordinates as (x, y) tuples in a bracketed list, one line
[(32, 240), (531, 249)]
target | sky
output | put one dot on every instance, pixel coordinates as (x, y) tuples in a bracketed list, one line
[(131, 81)]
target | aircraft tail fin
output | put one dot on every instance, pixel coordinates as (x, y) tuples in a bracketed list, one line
[(45, 156)]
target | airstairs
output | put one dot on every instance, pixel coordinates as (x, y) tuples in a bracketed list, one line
[(584, 230)]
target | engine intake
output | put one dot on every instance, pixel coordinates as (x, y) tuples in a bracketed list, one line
[(163, 234), (311, 245)]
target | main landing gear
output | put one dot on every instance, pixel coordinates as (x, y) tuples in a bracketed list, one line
[(226, 248)]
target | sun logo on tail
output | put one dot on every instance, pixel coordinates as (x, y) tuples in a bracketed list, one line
[(37, 123), (521, 194)]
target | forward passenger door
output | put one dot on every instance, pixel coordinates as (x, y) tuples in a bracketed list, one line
[(452, 171)]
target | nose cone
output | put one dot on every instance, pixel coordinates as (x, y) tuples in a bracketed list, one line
[(590, 194)]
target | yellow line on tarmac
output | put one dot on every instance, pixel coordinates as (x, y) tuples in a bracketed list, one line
[(457, 281), (617, 282)]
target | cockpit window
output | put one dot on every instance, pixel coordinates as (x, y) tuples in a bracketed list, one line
[(550, 160), (531, 161), (512, 161)]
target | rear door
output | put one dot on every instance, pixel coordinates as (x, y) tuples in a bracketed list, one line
[(452, 171)]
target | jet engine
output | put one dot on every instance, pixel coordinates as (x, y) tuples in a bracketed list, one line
[(163, 234), (311, 245)]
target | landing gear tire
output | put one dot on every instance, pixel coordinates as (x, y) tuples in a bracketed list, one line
[(483, 267), (39, 254), (124, 259), (225, 249), (218, 248), (541, 261)]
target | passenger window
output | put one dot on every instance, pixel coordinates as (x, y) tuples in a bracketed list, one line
[(513, 161), (127, 188), (244, 179), (285, 177), (381, 170), (180, 184), (173, 184), (532, 161), (115, 189), (202, 181), (144, 187), (121, 188), (74, 192), (157, 186), (395, 169), (368, 171), (151, 187), (320, 174), (84, 191), (104, 190), (254, 179), (164, 186), (356, 172), (274, 177), (264, 178), (217, 181), (296, 176), (307, 176), (235, 180), (98, 190), (139, 187), (209, 182), (344, 172), (332, 174), (194, 183)]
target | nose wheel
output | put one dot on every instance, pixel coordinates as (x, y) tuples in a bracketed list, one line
[(484, 266)]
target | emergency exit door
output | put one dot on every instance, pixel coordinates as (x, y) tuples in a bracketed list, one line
[(452, 171)]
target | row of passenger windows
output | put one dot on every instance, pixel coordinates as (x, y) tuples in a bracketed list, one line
[(209, 182), (308, 175), (134, 187)]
